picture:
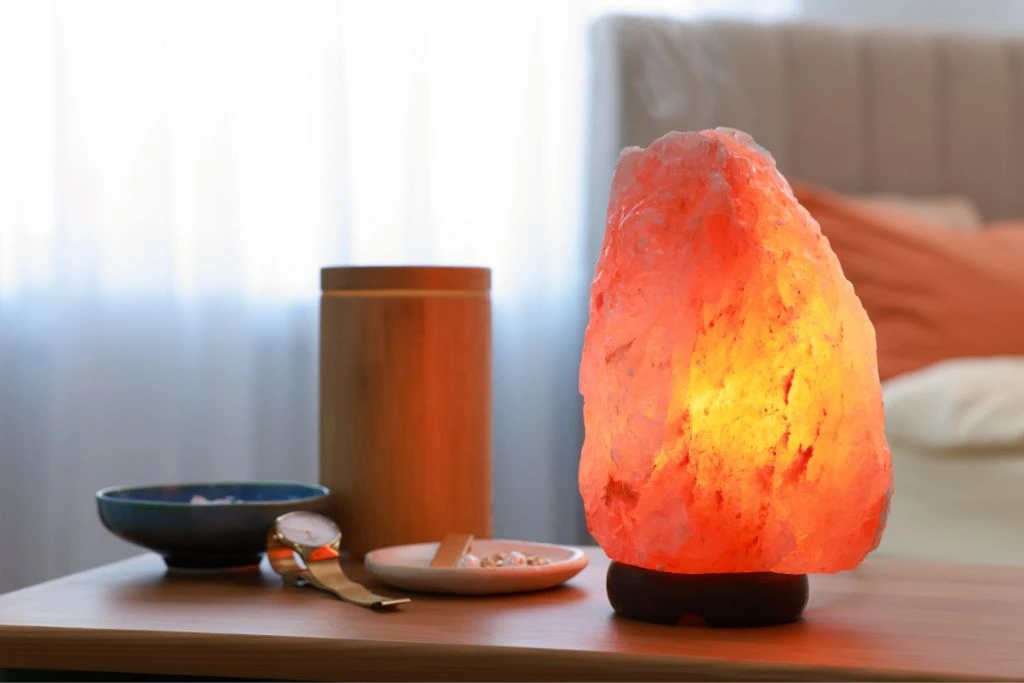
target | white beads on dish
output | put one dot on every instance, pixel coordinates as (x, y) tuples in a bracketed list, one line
[(469, 561), (513, 559)]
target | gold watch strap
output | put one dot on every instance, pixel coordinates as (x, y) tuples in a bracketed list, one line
[(326, 573), (323, 570)]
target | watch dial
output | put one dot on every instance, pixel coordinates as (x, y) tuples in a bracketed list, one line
[(308, 528)]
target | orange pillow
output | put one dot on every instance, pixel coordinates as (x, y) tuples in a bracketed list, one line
[(933, 293)]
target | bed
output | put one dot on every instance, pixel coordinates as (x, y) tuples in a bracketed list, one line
[(873, 112)]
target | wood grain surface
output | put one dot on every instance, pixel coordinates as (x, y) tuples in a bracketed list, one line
[(405, 403), (884, 621)]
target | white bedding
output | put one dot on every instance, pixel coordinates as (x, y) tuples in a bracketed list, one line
[(956, 507), (956, 431)]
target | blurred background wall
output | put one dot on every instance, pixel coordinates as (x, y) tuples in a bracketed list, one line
[(979, 15)]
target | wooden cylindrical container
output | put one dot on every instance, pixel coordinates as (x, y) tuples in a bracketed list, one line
[(405, 403)]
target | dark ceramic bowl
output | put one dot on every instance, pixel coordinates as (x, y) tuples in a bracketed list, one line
[(229, 532)]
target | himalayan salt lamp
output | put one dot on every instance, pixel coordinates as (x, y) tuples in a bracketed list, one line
[(732, 408)]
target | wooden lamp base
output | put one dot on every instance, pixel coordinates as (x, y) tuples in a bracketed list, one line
[(721, 600)]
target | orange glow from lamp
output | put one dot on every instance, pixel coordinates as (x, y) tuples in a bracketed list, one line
[(732, 407)]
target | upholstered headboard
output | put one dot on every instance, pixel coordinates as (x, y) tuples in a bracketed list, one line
[(854, 109)]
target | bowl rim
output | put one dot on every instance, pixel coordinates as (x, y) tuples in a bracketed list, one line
[(316, 492)]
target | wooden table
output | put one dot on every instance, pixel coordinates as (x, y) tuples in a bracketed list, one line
[(885, 620)]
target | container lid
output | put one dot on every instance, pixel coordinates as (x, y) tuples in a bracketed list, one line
[(405, 277)]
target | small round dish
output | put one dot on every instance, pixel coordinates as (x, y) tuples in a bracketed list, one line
[(407, 567), (204, 526)]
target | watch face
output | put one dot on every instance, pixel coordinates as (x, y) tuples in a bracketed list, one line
[(308, 528)]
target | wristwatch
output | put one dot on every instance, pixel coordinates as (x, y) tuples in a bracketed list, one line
[(303, 547)]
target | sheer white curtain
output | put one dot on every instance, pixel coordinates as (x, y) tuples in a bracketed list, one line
[(173, 175)]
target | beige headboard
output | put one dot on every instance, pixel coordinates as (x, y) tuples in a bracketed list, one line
[(854, 109)]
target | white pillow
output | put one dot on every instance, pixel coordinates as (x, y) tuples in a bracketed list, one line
[(969, 403)]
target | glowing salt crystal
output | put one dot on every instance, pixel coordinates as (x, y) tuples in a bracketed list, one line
[(731, 399)]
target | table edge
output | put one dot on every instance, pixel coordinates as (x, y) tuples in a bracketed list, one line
[(313, 658)]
